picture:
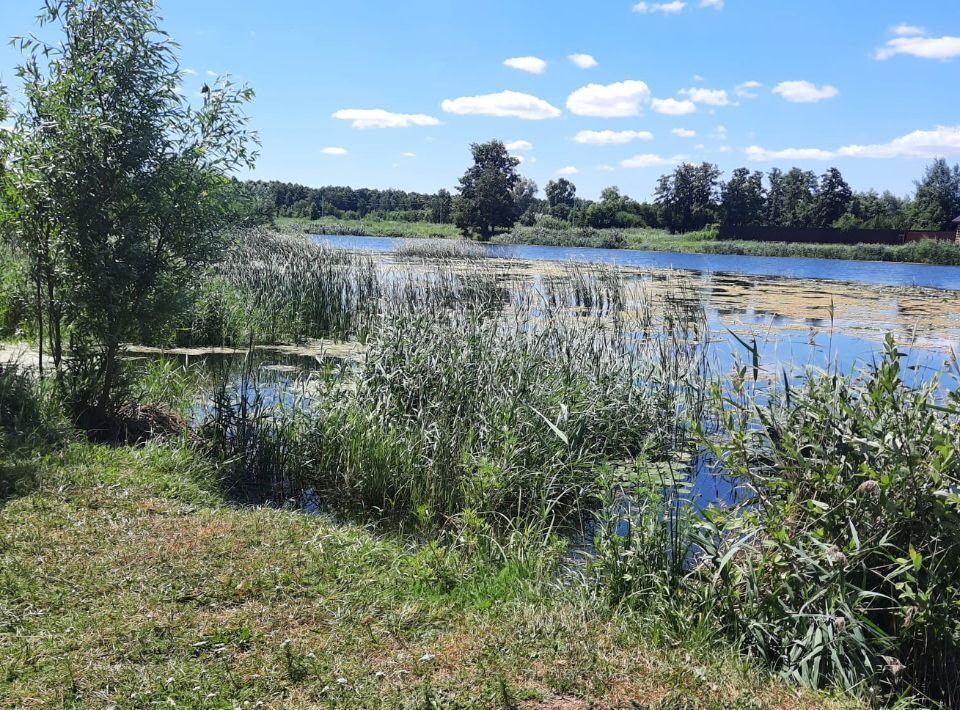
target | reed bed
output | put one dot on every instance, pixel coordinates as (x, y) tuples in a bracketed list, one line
[(494, 414)]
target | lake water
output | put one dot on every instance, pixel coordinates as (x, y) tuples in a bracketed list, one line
[(869, 272), (801, 312)]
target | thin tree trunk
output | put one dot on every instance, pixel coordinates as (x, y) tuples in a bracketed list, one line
[(109, 374), (39, 323)]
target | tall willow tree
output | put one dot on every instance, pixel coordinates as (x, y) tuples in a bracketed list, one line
[(118, 188)]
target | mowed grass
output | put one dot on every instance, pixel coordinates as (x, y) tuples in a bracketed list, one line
[(126, 580)]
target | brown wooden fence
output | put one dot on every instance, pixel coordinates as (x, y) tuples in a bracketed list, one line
[(813, 235)]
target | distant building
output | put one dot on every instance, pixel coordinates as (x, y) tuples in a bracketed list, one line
[(957, 222)]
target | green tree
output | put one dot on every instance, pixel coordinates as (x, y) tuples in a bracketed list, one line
[(799, 198), (133, 181), (441, 207), (833, 199), (743, 199), (776, 195), (486, 200), (688, 197), (525, 194), (937, 201), (561, 192)]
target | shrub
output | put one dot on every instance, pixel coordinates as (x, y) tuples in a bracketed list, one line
[(844, 565)]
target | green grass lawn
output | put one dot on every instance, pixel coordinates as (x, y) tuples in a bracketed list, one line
[(126, 580)]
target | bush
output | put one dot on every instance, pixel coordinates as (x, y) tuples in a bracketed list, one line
[(844, 565), (29, 416)]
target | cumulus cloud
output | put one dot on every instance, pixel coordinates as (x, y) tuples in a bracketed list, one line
[(757, 153), (684, 133), (606, 168), (378, 118), (532, 65), (611, 137), (408, 154), (942, 48), (667, 8), (569, 170), (617, 100), (938, 142), (650, 160), (715, 4), (803, 92), (747, 90), (711, 97), (584, 61), (509, 104), (674, 107), (514, 146), (334, 150)]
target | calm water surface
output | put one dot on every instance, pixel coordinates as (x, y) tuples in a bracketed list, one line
[(869, 272)]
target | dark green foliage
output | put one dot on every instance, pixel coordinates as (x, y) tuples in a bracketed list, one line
[(486, 202), (742, 198), (843, 566), (938, 197), (833, 198), (689, 197)]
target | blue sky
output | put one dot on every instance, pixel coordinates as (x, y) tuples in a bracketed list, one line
[(395, 92)]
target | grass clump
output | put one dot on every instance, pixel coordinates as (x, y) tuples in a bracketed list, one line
[(573, 237), (372, 228), (442, 250)]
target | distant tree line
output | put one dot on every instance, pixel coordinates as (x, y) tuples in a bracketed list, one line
[(286, 199), (492, 196), (693, 196)]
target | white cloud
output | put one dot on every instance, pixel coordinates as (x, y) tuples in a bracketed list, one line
[(189, 72), (212, 73), (606, 168), (617, 100), (803, 92), (532, 65), (569, 170), (408, 154), (611, 137), (667, 8), (757, 153), (511, 104), (650, 160), (684, 133), (715, 4), (584, 61), (746, 89), (720, 132), (378, 118), (725, 149), (673, 107), (514, 146), (334, 150), (698, 77), (923, 47), (905, 30), (711, 97), (937, 143)]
